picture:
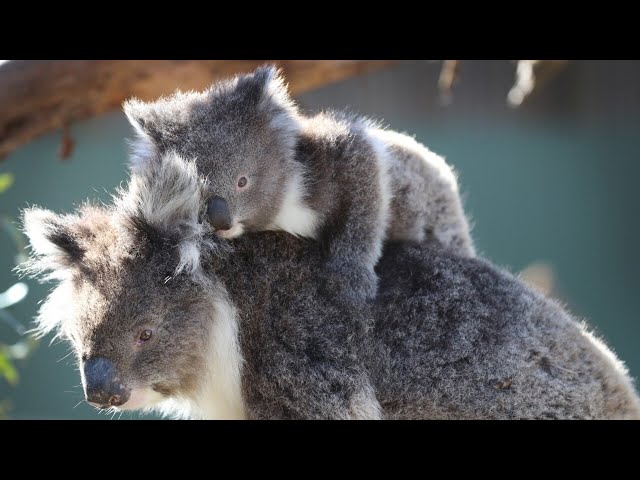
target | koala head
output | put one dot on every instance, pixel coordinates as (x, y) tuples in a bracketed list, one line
[(132, 297), (241, 133)]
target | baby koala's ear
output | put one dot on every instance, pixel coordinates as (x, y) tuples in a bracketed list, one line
[(157, 125), (142, 118), (163, 120), (156, 121), (267, 88), (266, 92)]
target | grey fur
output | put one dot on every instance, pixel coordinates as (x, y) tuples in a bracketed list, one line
[(363, 183), (447, 336)]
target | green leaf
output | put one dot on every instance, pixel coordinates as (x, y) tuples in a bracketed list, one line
[(6, 180), (7, 370)]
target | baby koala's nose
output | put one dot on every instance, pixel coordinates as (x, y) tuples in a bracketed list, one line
[(219, 214)]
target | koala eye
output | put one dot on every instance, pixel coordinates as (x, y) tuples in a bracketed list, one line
[(145, 335), (242, 182)]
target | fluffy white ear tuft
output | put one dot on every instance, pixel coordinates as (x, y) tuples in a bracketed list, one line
[(53, 252), (57, 308), (38, 225), (170, 197), (142, 148), (275, 87), (136, 110), (277, 101), (54, 246), (131, 108)]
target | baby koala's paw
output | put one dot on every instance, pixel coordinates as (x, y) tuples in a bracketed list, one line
[(358, 281)]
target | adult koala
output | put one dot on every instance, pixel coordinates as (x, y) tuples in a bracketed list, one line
[(164, 316)]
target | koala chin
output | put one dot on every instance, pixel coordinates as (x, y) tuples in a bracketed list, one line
[(340, 179)]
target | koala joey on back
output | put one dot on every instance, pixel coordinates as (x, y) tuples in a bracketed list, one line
[(340, 179)]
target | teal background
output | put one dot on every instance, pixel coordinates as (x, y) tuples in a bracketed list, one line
[(553, 182)]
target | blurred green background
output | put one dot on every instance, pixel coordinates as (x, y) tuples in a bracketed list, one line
[(552, 183)]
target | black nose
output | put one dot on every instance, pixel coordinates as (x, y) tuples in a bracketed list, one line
[(102, 385), (218, 213)]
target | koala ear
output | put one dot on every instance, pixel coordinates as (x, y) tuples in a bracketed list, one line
[(266, 86), (143, 147), (161, 121), (157, 124), (144, 118), (266, 92), (54, 244), (155, 121), (136, 112)]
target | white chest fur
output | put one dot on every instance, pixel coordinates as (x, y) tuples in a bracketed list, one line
[(294, 216), (220, 394), (221, 397)]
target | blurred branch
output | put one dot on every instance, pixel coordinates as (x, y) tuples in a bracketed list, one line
[(41, 96), (14, 294), (448, 76), (10, 320), (541, 276), (529, 75), (66, 144)]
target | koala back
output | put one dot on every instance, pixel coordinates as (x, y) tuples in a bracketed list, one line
[(456, 338), (447, 338)]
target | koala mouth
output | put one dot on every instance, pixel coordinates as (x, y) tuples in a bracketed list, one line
[(235, 231), (162, 389), (142, 397)]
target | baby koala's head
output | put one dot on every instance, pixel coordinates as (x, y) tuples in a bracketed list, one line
[(241, 133)]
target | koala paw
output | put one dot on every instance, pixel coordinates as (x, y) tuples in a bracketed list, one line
[(357, 281)]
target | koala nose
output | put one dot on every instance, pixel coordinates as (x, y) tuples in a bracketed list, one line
[(219, 214), (102, 386)]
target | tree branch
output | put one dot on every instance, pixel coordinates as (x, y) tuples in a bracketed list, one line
[(529, 75), (40, 96)]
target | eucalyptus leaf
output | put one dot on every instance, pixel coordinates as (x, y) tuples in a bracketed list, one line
[(7, 370), (6, 180)]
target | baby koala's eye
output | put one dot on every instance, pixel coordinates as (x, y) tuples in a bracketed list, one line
[(242, 182), (145, 335)]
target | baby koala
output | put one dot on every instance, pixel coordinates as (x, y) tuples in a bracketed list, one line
[(340, 179)]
